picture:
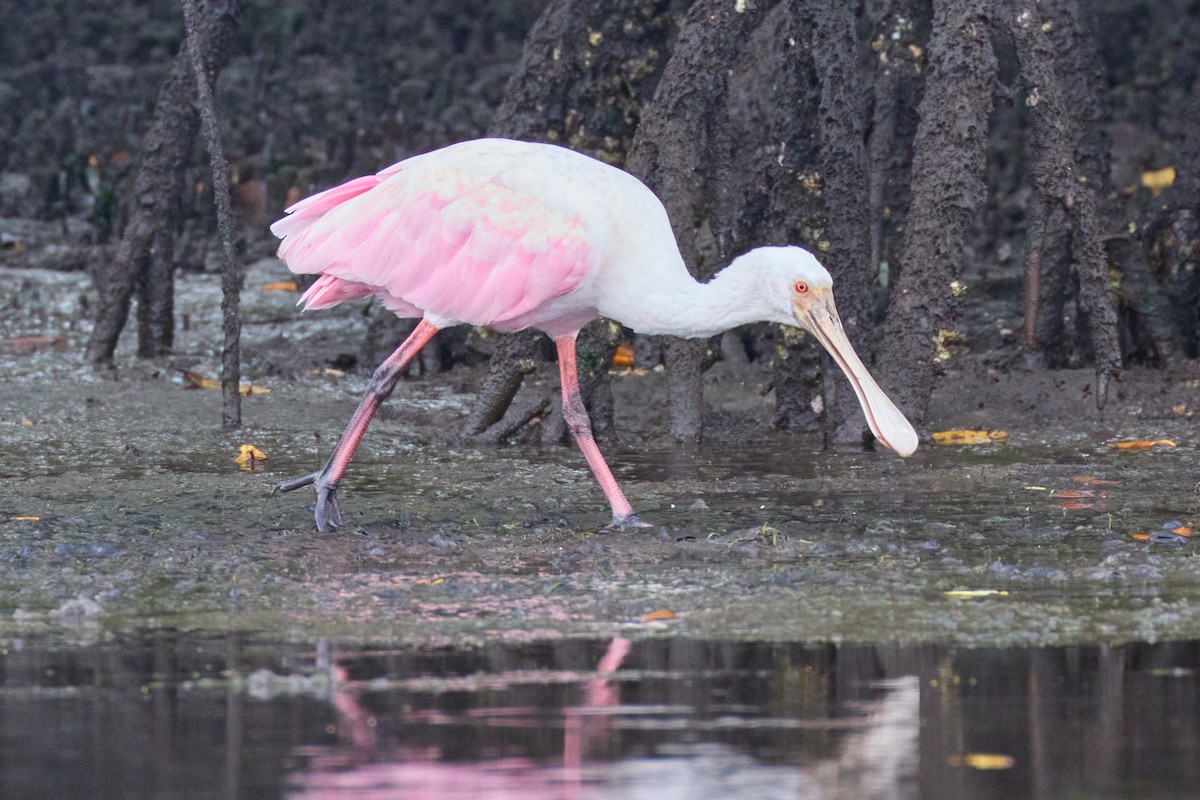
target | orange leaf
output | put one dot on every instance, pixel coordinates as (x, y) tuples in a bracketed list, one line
[(623, 357), (1142, 444), (1088, 480), (280, 286), (1085, 498), (658, 616), (27, 344), (1141, 537)]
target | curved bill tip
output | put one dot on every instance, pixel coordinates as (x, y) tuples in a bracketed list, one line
[(892, 428), (887, 423)]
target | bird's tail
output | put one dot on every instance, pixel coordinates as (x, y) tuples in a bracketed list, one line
[(304, 213), (329, 291)]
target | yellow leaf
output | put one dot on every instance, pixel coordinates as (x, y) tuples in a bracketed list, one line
[(197, 380), (968, 437), (983, 761), (658, 616), (250, 457), (25, 519), (967, 594), (1142, 444), (1158, 179), (280, 286), (200, 381)]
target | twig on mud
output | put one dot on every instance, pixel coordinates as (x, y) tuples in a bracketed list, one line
[(540, 409)]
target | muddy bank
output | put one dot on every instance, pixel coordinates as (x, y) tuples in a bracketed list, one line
[(125, 507)]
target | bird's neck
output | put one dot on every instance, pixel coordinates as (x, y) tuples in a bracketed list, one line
[(690, 309)]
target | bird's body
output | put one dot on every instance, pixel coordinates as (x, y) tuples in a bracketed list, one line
[(515, 235), (506, 234)]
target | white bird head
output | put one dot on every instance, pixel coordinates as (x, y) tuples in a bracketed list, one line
[(801, 294)]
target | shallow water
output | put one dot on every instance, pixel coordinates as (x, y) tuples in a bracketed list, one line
[(166, 714)]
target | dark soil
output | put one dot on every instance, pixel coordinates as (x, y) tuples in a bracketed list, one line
[(142, 514)]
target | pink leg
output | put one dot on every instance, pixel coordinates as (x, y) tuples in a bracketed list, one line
[(581, 428), (379, 389)]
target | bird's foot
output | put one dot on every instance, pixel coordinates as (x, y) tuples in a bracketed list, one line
[(625, 523), (326, 512)]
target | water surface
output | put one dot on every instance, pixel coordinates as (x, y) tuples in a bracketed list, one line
[(166, 714)]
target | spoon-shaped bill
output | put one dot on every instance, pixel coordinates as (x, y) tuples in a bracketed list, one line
[(890, 426)]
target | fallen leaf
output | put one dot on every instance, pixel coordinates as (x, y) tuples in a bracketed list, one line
[(1088, 480), (623, 357), (25, 519), (1158, 179), (250, 457), (280, 286), (959, 437), (28, 344), (200, 381), (968, 594), (1142, 444), (1085, 498), (983, 761), (197, 380), (1161, 537), (332, 372), (430, 581), (658, 616)]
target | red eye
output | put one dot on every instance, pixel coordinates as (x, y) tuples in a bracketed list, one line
[(800, 287)]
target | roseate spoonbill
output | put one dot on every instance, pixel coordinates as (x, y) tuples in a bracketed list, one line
[(517, 235)]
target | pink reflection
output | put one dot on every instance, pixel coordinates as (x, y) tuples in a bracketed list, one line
[(421, 776), (583, 731)]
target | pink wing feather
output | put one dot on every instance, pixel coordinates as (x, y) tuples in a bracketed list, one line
[(436, 239)]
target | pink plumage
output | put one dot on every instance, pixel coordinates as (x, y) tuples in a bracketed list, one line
[(434, 237), (514, 235)]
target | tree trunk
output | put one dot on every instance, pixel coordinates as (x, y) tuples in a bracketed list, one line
[(683, 151), (142, 259), (1055, 178), (843, 113), (231, 269), (896, 26), (947, 180)]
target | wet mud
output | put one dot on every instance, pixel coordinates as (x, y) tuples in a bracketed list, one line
[(124, 506)]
